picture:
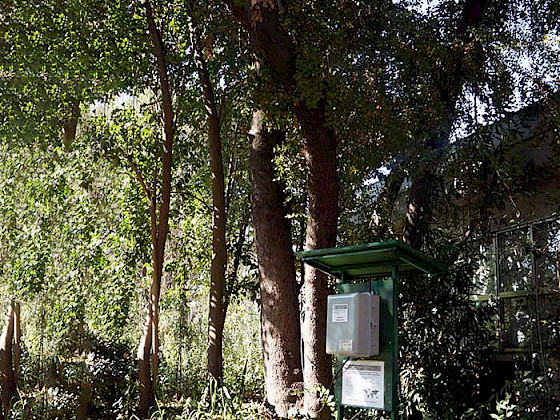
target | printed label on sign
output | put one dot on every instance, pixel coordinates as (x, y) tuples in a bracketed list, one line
[(346, 345), (363, 384), (340, 312)]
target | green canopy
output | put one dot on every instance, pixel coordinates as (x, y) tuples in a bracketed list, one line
[(369, 260)]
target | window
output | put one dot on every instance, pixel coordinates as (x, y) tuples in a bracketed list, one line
[(525, 284)]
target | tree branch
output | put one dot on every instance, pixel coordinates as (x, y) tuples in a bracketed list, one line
[(200, 200), (137, 173)]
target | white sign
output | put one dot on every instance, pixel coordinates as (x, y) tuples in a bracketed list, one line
[(363, 384), (340, 312)]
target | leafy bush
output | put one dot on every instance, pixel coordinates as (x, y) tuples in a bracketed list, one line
[(527, 396), (445, 340)]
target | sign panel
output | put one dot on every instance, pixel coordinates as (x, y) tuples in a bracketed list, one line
[(363, 384), (340, 312)]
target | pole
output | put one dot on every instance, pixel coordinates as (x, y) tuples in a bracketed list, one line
[(395, 358), (339, 406)]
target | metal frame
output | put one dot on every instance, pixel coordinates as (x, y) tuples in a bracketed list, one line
[(533, 290)]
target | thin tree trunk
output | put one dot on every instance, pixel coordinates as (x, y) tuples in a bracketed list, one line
[(217, 307), (6, 347), (233, 269), (148, 349), (17, 340), (233, 272), (386, 202), (144, 372), (322, 189), (70, 125), (84, 402), (86, 391), (280, 323)]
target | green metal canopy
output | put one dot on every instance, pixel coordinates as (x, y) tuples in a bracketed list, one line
[(369, 260)]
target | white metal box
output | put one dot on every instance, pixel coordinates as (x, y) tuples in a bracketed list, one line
[(353, 324)]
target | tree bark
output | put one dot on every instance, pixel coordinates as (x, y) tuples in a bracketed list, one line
[(17, 340), (147, 398), (86, 389), (148, 356), (6, 360), (322, 189), (70, 125), (273, 44), (84, 402), (386, 202), (269, 40), (217, 307), (280, 323), (233, 269)]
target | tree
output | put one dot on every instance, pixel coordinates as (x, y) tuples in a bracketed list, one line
[(131, 139), (10, 356), (273, 45), (57, 56), (458, 63), (148, 357), (449, 85), (217, 306), (221, 102), (280, 328)]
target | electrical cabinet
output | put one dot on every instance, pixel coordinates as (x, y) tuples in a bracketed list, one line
[(353, 324)]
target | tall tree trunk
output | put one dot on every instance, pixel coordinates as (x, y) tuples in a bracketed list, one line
[(148, 357), (70, 125), (86, 391), (217, 307), (280, 323), (6, 360), (273, 44), (322, 190), (148, 349), (84, 402), (454, 70), (418, 208), (147, 398)]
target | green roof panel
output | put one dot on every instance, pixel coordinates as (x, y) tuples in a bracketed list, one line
[(369, 260)]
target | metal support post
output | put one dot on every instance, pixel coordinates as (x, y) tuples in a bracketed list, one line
[(395, 358), (339, 406)]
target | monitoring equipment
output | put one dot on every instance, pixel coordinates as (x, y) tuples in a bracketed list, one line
[(353, 324)]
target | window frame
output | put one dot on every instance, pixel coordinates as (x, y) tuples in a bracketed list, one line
[(533, 294)]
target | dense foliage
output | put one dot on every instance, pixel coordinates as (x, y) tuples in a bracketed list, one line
[(408, 90)]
